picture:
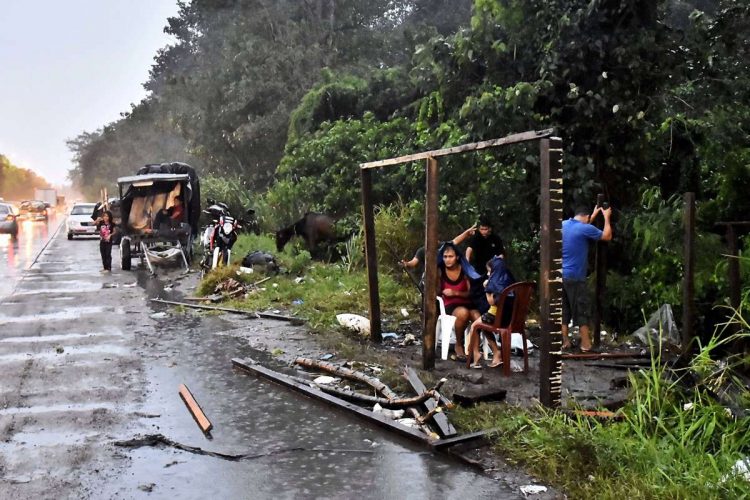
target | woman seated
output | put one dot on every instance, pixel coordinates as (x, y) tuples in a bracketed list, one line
[(499, 278), (453, 285)]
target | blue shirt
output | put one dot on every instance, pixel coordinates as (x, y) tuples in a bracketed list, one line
[(575, 247)]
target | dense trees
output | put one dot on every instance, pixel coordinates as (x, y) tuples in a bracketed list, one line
[(285, 98), (18, 183)]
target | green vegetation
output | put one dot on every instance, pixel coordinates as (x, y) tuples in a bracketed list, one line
[(676, 438), (18, 183)]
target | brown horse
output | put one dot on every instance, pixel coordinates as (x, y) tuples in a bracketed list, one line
[(312, 227)]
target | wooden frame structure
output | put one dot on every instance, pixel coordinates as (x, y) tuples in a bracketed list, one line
[(550, 272)]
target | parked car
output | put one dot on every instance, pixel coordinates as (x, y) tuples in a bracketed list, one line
[(33, 210), (79, 222), (8, 222)]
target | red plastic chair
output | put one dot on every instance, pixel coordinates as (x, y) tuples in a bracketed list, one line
[(522, 297)]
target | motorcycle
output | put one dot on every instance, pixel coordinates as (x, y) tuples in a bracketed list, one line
[(219, 237)]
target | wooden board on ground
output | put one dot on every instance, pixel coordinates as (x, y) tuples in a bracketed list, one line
[(474, 437), (375, 418), (470, 398), (445, 428), (604, 355), (195, 409)]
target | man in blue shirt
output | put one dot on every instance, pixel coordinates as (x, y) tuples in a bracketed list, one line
[(576, 234)]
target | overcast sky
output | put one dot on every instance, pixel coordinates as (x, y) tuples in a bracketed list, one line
[(68, 66)]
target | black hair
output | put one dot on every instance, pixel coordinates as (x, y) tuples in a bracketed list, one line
[(485, 221), (582, 210), (107, 212)]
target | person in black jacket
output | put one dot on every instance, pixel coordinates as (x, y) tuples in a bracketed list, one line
[(107, 231)]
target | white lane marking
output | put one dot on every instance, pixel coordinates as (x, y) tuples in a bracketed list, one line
[(67, 351), (58, 338), (70, 313)]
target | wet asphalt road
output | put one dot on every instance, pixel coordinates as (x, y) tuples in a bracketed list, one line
[(86, 361)]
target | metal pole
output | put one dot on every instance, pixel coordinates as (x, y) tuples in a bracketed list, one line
[(550, 271), (430, 268), (370, 255)]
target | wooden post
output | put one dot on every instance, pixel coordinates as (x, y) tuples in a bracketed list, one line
[(688, 285), (601, 281), (430, 268), (370, 255), (550, 272), (733, 271)]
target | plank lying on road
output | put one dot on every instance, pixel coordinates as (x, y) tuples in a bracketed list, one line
[(287, 381), (252, 314), (195, 410)]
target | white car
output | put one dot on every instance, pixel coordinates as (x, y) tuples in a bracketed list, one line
[(79, 222)]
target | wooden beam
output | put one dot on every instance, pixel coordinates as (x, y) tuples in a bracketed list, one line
[(429, 305), (688, 281), (195, 409), (532, 135), (371, 259), (550, 272), (445, 428), (483, 436), (374, 418), (252, 314)]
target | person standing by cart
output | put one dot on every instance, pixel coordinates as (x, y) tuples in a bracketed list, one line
[(107, 230)]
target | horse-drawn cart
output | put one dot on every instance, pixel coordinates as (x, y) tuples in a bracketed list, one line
[(160, 208)]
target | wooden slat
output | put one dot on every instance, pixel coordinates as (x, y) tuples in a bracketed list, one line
[(473, 146), (195, 409), (445, 428), (252, 314), (371, 417), (604, 355), (688, 280)]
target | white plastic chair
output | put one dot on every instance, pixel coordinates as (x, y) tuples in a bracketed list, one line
[(445, 332)]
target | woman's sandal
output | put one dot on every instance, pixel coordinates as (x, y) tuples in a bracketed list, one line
[(495, 365), (477, 366), (461, 358)]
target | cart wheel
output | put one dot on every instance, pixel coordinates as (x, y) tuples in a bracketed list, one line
[(125, 254)]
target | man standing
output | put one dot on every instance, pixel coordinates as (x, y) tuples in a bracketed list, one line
[(483, 246), (576, 234)]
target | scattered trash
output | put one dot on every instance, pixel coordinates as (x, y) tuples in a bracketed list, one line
[(231, 287), (741, 468), (275, 285), (59, 349), (325, 380), (258, 258), (389, 335), (298, 302), (326, 357), (516, 344), (409, 422), (299, 279), (660, 328), (148, 488), (392, 414), (355, 322), (277, 352), (404, 312), (409, 339), (168, 288), (245, 270), (532, 489), (129, 285), (159, 315), (110, 285)]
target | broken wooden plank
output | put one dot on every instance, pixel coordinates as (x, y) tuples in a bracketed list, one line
[(195, 410), (348, 373), (471, 398), (374, 418), (445, 428), (254, 314), (604, 355), (482, 436), (601, 415)]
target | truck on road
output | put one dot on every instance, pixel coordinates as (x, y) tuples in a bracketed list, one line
[(48, 196)]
